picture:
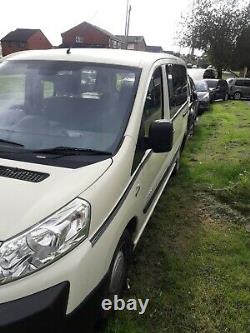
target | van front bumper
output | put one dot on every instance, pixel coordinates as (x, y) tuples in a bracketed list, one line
[(45, 308)]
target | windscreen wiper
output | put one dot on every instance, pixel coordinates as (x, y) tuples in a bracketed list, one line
[(11, 143), (67, 151)]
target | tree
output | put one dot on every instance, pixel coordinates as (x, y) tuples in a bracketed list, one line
[(214, 26), (242, 51)]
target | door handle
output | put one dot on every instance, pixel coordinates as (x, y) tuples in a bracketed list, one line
[(137, 189)]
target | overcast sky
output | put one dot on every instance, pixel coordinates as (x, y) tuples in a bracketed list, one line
[(156, 20)]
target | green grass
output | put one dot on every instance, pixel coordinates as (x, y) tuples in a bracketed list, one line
[(193, 261)]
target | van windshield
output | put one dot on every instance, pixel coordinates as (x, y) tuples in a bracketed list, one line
[(48, 104)]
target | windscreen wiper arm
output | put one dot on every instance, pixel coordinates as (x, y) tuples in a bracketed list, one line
[(64, 151), (11, 143)]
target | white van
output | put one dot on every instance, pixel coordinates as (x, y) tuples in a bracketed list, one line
[(88, 141)]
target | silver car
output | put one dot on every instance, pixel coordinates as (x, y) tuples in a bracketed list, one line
[(203, 95), (239, 88)]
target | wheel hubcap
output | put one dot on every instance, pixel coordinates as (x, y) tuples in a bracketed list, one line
[(117, 275)]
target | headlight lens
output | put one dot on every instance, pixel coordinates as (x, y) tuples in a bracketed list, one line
[(45, 242)]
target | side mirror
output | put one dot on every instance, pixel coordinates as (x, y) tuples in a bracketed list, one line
[(194, 96), (161, 135)]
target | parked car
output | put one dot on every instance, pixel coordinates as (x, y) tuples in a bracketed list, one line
[(193, 106), (210, 73), (218, 89), (81, 176), (239, 88), (203, 94)]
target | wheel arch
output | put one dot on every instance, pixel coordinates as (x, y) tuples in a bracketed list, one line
[(132, 226)]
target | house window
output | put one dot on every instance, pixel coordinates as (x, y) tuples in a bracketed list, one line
[(131, 46), (79, 39), (112, 44)]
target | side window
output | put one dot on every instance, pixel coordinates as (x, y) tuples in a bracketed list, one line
[(153, 108), (177, 87), (247, 83), (239, 83)]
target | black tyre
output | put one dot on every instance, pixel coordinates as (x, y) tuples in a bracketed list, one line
[(237, 95), (118, 271)]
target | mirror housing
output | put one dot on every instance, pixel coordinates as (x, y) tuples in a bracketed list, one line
[(161, 133)]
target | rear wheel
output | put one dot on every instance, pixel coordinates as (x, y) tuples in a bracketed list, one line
[(237, 95)]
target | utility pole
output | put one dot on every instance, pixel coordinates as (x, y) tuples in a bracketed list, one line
[(128, 10), (192, 47)]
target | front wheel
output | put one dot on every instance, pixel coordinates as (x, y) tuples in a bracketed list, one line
[(237, 95), (118, 271)]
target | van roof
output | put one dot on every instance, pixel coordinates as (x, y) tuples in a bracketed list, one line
[(109, 56)]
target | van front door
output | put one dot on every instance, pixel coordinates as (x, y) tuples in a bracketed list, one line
[(152, 164)]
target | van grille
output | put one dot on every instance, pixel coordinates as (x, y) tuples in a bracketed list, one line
[(21, 174)]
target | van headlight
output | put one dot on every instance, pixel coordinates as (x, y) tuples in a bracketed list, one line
[(46, 242)]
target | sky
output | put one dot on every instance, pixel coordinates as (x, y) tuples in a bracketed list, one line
[(156, 20)]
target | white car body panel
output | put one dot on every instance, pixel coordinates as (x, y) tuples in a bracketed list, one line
[(102, 184)]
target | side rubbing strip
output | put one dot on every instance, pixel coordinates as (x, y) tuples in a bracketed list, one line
[(111, 216), (166, 176)]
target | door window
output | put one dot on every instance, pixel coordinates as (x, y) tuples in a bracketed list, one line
[(239, 83), (153, 107), (177, 87), (153, 110)]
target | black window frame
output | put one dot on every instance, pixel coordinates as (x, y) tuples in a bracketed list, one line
[(247, 85), (175, 106), (237, 83), (142, 140)]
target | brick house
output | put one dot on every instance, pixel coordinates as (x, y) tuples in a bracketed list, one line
[(136, 43), (151, 48), (89, 35), (24, 39)]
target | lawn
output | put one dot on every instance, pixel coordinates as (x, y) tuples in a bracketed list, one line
[(193, 260)]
